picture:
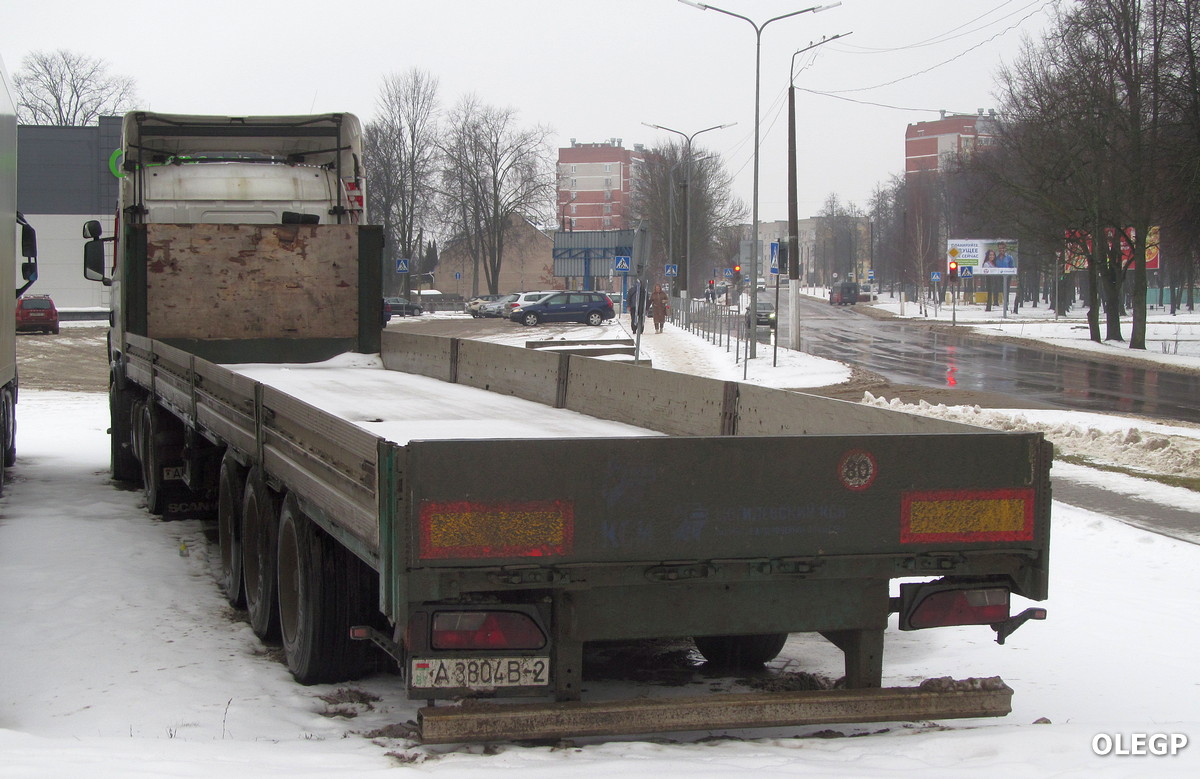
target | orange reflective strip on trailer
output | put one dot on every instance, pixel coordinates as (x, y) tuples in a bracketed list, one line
[(517, 529), (967, 515)]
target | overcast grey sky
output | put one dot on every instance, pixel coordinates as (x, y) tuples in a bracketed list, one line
[(591, 70)]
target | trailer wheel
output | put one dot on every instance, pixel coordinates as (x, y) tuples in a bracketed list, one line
[(231, 494), (317, 595), (260, 524), (740, 652)]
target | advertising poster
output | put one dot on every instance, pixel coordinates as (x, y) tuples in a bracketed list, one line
[(1079, 247), (985, 257)]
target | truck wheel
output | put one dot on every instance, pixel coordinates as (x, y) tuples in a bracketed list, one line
[(8, 420), (162, 447), (316, 597), (231, 494), (740, 652), (260, 524), (124, 463)]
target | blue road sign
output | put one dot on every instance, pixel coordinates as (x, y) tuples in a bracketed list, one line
[(402, 266), (729, 273), (621, 264), (671, 270), (935, 276), (965, 272), (870, 275)]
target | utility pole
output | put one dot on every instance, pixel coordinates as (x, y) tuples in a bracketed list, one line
[(793, 207)]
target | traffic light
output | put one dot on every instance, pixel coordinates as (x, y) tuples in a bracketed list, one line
[(737, 274), (952, 274)]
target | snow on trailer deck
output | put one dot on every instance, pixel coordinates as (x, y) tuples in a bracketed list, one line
[(403, 407)]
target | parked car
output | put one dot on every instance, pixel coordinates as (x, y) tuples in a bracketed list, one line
[(764, 314), (37, 312), (387, 312), (497, 307), (522, 299), (401, 307), (589, 308), (473, 305)]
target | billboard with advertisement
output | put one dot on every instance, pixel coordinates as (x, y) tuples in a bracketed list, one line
[(984, 256), (1079, 247)]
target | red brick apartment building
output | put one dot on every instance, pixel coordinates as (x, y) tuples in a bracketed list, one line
[(595, 185), (928, 144)]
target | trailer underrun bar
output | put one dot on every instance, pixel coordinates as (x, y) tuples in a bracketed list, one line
[(933, 700)]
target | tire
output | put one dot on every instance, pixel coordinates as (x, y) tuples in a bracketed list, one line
[(531, 320), (8, 423), (595, 318), (231, 493), (740, 652), (122, 457), (260, 524), (162, 448), (319, 600)]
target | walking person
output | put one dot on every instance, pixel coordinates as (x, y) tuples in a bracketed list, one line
[(659, 304)]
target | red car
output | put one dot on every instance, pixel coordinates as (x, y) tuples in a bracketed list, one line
[(37, 312)]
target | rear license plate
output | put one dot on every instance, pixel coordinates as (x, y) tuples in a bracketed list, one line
[(479, 673)]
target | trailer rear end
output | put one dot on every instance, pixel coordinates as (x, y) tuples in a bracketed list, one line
[(733, 516)]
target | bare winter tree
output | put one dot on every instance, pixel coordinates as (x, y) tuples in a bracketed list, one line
[(494, 174), (403, 160), (69, 89), (668, 186), (1087, 124)]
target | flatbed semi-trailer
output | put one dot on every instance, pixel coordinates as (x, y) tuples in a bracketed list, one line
[(477, 513)]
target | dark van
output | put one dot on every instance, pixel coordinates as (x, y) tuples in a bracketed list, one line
[(843, 293)]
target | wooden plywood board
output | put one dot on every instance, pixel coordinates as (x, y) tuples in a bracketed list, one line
[(218, 281)]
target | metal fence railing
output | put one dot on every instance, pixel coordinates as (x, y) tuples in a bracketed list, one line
[(719, 324)]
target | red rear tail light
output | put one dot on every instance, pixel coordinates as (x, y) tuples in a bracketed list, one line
[(984, 606), (485, 630)]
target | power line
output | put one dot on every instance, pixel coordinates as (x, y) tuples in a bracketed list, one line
[(961, 54)]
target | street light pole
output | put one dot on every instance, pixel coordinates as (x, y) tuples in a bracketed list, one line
[(758, 30), (794, 208), (687, 198)]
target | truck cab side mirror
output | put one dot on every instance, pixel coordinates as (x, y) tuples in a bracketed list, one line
[(29, 269), (93, 253), (28, 243)]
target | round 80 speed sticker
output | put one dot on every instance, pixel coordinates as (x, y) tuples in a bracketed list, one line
[(857, 470)]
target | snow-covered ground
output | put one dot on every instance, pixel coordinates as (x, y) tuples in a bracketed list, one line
[(1171, 339), (118, 656)]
